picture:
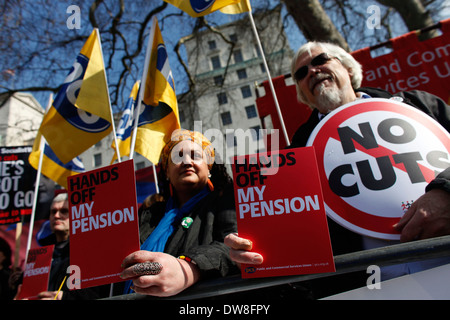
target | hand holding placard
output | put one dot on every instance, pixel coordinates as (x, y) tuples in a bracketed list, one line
[(104, 223)]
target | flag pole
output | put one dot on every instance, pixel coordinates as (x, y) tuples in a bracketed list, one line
[(111, 114), (156, 178), (38, 181), (141, 90), (109, 98), (283, 127), (141, 94)]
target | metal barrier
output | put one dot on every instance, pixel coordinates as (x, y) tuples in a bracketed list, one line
[(356, 261)]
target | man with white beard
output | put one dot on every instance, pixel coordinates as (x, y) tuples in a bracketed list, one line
[(327, 77)]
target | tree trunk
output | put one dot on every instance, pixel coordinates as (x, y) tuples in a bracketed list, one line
[(414, 15), (313, 21)]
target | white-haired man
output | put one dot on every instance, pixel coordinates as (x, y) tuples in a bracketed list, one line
[(327, 77)]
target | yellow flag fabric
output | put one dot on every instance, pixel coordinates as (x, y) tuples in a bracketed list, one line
[(52, 167), (126, 125), (159, 108), (199, 8), (241, 7), (80, 115)]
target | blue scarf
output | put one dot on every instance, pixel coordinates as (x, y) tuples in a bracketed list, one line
[(157, 240)]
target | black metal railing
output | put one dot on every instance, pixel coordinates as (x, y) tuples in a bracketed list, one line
[(351, 262)]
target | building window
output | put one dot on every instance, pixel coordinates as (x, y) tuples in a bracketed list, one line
[(226, 118), (256, 133), (242, 74), (215, 62), (222, 98), (246, 92), (233, 37), (237, 54), (212, 45), (97, 160), (181, 115), (218, 80), (251, 111), (230, 140), (258, 52), (263, 68)]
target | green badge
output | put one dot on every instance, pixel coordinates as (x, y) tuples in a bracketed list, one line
[(186, 222)]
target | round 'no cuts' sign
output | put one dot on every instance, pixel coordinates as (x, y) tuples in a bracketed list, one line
[(375, 158)]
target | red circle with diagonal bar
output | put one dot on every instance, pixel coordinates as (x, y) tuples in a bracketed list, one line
[(375, 157)]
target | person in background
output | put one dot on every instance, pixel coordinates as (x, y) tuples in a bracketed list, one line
[(182, 236), (327, 77), (60, 226)]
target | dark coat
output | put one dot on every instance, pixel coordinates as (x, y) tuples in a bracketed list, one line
[(213, 218)]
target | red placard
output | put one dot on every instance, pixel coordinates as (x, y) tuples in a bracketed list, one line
[(103, 222), (280, 208), (376, 156), (37, 272), (412, 65)]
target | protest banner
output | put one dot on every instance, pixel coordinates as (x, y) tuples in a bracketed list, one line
[(375, 158), (37, 272), (103, 222), (412, 64), (16, 184), (279, 206)]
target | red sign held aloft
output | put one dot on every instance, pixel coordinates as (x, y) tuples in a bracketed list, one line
[(280, 208)]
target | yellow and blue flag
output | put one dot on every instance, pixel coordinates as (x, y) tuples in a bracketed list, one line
[(51, 166), (80, 115), (158, 116), (126, 125), (199, 8), (240, 7)]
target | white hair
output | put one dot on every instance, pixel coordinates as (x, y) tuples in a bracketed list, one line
[(61, 197), (344, 57)]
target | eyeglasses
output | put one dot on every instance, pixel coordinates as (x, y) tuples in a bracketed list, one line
[(319, 60)]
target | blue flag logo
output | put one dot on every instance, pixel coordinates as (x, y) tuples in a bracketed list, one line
[(162, 64), (151, 114), (66, 99)]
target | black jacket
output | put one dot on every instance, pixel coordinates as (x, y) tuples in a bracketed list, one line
[(345, 241), (213, 218)]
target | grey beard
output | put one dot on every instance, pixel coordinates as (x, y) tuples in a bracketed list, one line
[(329, 98)]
